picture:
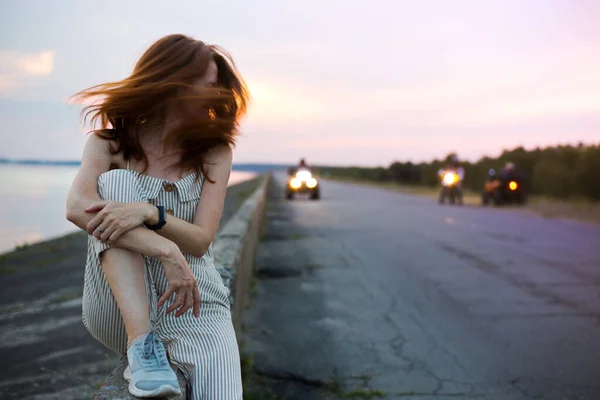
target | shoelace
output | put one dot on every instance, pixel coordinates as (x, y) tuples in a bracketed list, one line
[(154, 354)]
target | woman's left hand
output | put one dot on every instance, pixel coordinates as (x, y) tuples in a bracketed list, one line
[(115, 218)]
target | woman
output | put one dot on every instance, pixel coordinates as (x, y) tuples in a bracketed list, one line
[(150, 193)]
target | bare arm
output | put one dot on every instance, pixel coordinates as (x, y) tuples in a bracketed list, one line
[(84, 191), (194, 238)]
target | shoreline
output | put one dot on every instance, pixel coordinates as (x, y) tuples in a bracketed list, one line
[(236, 194), (24, 243)]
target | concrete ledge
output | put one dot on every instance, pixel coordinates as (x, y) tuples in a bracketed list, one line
[(115, 386), (234, 249)]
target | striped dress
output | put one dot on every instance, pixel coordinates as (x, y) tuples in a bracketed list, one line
[(204, 349)]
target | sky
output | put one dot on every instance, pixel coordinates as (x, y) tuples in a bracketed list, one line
[(336, 81)]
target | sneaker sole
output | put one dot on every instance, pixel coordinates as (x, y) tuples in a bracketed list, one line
[(161, 391)]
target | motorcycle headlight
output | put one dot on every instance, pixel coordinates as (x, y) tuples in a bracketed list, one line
[(513, 185), (303, 175), (295, 183), (450, 178), (311, 183)]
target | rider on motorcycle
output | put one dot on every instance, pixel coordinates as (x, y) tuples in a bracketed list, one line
[(301, 165), (506, 186), (452, 177), (301, 180), (508, 172)]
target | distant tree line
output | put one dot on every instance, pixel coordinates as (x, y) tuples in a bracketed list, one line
[(560, 171)]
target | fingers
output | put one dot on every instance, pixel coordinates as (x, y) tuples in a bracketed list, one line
[(197, 300), (107, 232), (97, 206), (112, 229), (182, 281), (179, 301), (166, 295), (187, 297), (94, 223), (189, 303), (115, 235)]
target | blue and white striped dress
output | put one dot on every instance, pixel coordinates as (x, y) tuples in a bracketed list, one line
[(204, 349)]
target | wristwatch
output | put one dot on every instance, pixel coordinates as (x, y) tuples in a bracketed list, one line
[(161, 219)]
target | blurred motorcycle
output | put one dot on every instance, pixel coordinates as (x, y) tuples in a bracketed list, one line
[(302, 181), (451, 185), (504, 189)]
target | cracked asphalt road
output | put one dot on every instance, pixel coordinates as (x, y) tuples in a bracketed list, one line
[(375, 292)]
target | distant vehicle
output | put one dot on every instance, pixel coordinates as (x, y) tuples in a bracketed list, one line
[(301, 181), (451, 185), (508, 187)]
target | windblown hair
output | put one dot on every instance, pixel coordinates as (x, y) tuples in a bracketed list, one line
[(175, 62)]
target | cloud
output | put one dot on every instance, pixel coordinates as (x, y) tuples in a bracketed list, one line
[(40, 63), (19, 69)]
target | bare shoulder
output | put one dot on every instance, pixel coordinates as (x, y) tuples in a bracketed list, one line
[(220, 155), (97, 159), (102, 151), (218, 163), (100, 145)]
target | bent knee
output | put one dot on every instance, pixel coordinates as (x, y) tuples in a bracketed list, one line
[(118, 255), (107, 327), (120, 185), (112, 338)]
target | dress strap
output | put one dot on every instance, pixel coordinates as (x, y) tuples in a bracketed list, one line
[(127, 164)]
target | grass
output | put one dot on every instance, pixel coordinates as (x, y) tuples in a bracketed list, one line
[(23, 246), (364, 394), (246, 364), (313, 267), (334, 388), (243, 194), (43, 262), (255, 387), (7, 270), (578, 209), (253, 284), (4, 268), (575, 209), (298, 236)]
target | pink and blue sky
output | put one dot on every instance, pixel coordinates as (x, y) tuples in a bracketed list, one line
[(338, 82)]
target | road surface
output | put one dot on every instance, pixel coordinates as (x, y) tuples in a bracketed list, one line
[(370, 292)]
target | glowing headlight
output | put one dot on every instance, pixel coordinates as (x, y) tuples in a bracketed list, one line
[(303, 175), (311, 183), (513, 185), (450, 178), (295, 183)]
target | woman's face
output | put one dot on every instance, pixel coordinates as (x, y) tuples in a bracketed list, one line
[(209, 79)]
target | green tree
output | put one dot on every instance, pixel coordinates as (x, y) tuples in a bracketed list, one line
[(553, 179), (587, 172)]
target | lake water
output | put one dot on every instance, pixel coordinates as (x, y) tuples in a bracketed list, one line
[(33, 198)]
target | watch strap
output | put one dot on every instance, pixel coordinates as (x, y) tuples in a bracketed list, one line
[(161, 219)]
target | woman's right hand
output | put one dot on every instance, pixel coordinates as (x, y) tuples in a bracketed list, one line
[(181, 282)]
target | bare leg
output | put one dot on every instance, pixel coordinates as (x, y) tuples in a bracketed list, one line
[(124, 272)]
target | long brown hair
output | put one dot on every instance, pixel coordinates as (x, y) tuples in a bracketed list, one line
[(172, 63)]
